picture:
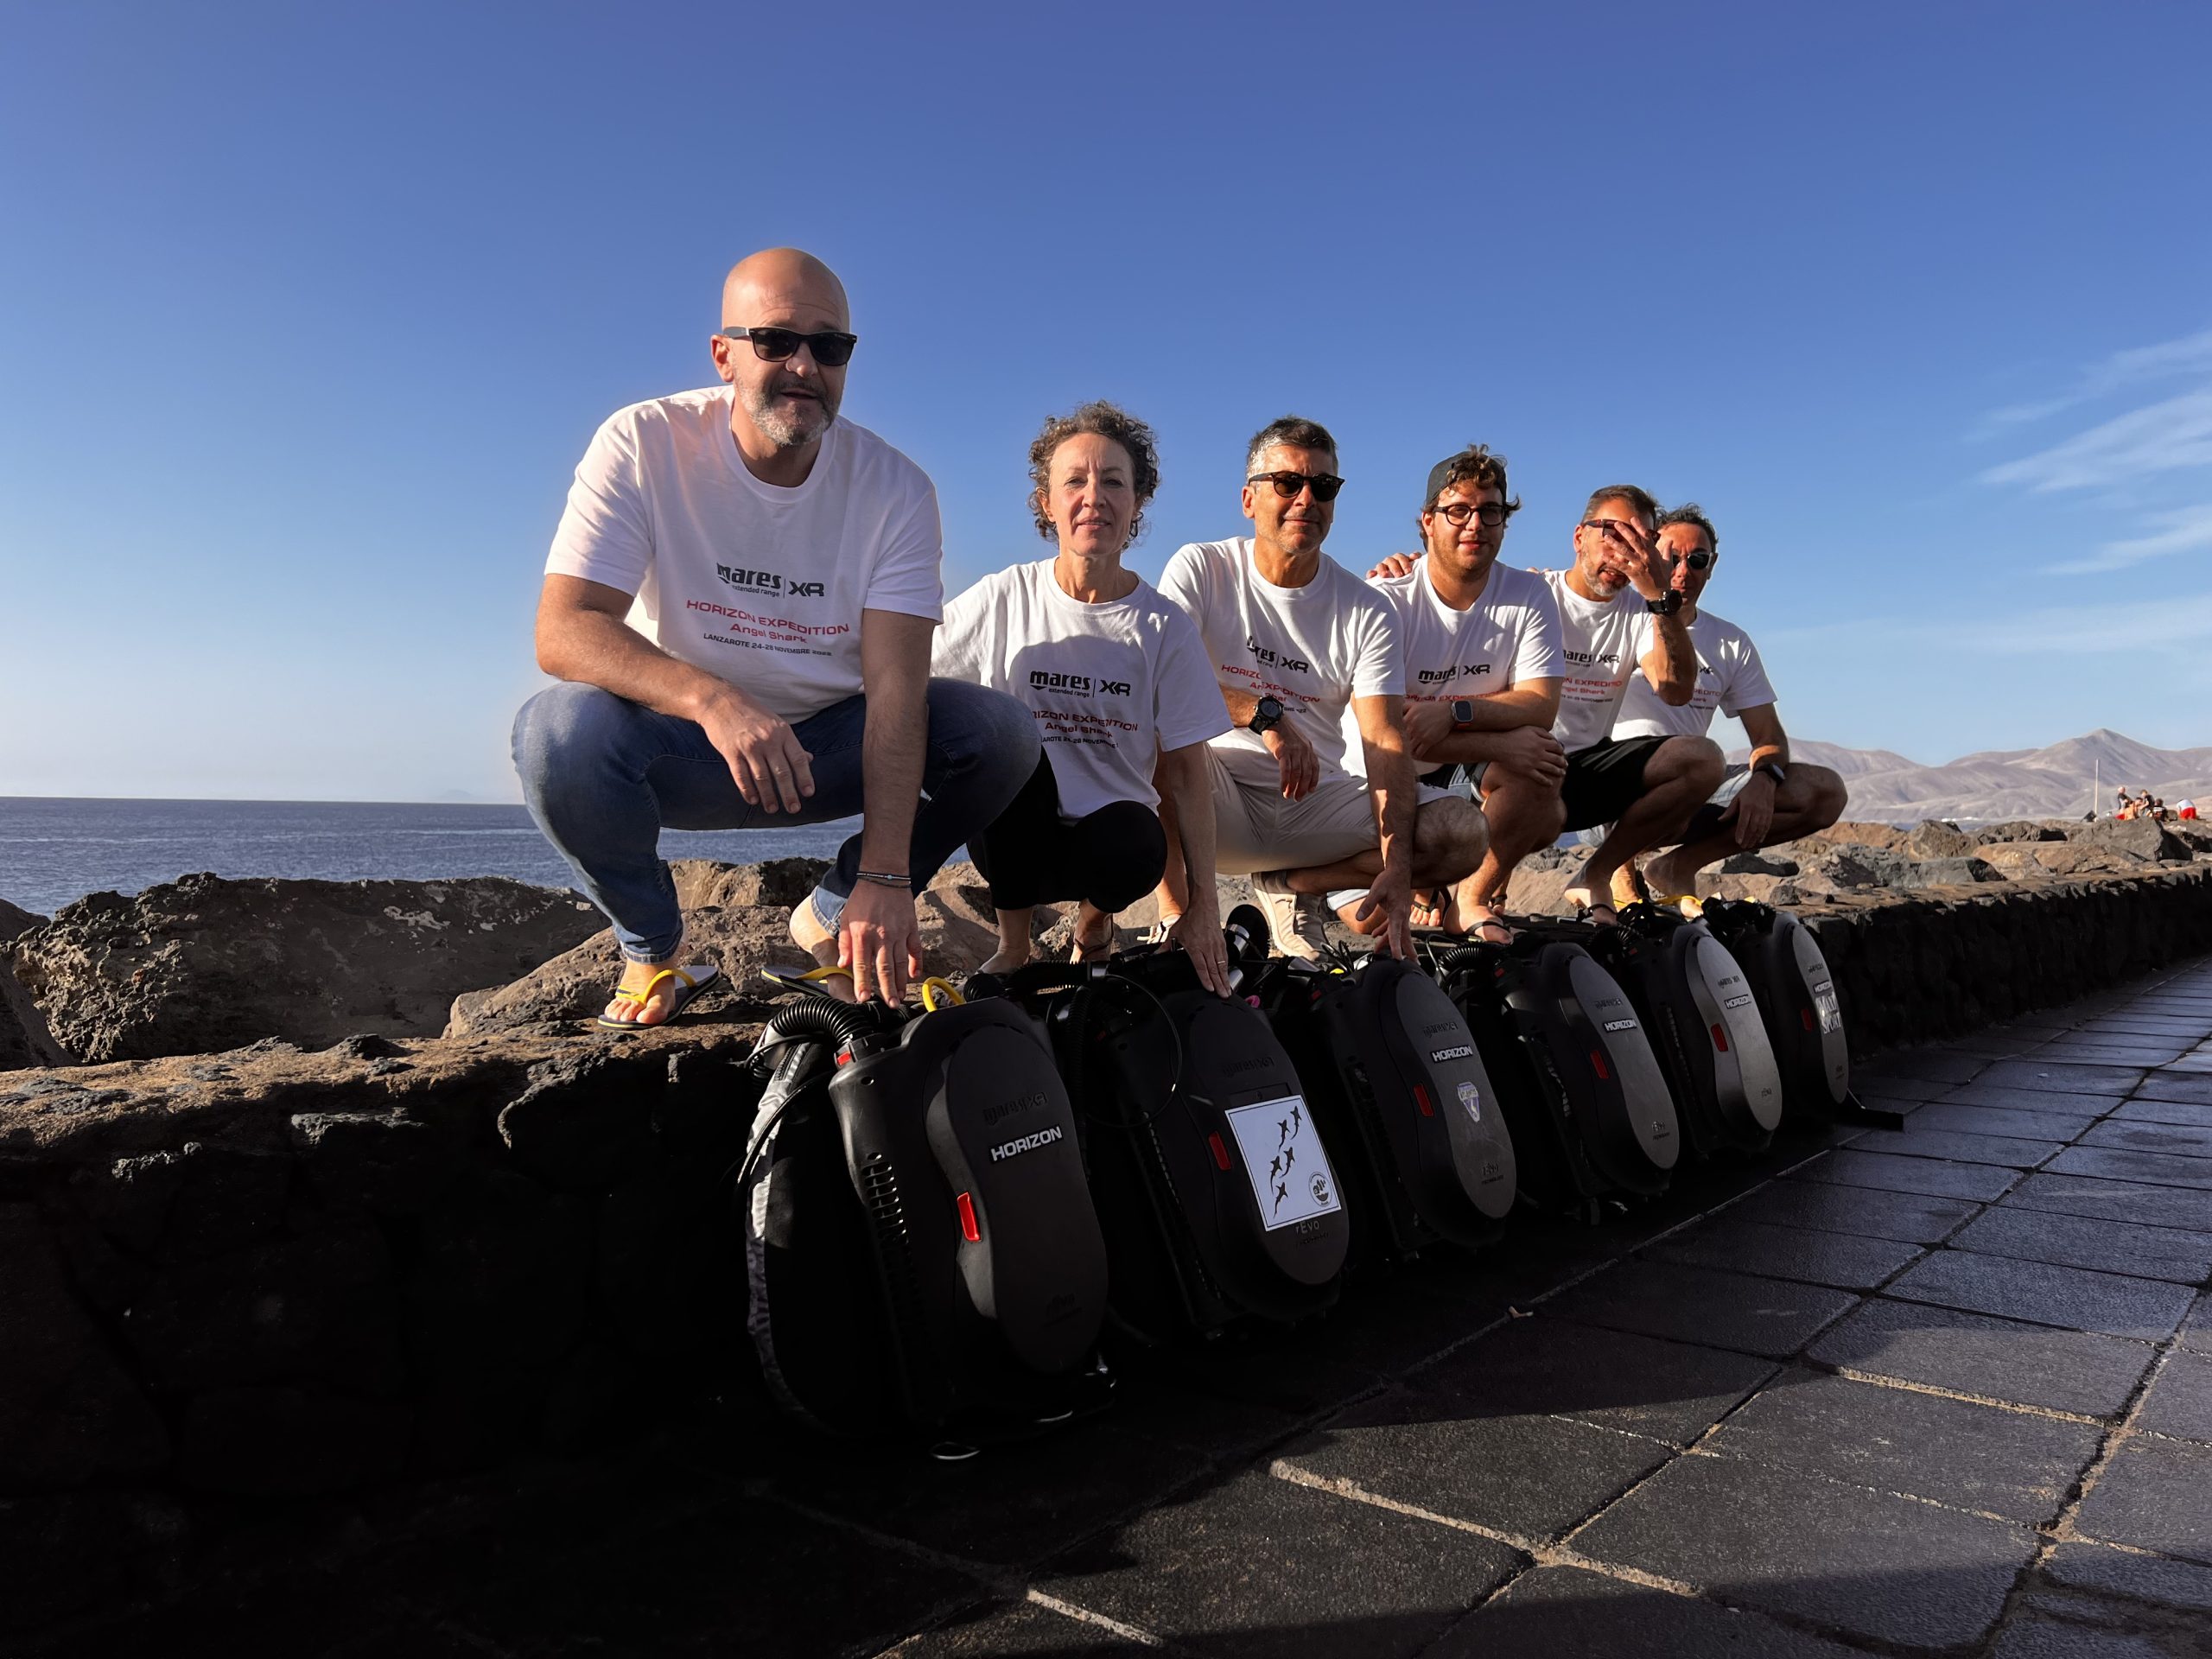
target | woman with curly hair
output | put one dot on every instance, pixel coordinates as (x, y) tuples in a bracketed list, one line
[(1123, 693)]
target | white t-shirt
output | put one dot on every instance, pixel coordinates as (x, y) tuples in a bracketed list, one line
[(1509, 636), (760, 585), (1312, 649), (1111, 685), (1599, 644), (1730, 677)]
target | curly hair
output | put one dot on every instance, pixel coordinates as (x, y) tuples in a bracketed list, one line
[(1097, 418), (1477, 464), (1690, 513)]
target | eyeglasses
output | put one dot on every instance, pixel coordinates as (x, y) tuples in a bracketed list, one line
[(1695, 560), (1612, 527), (831, 350), (1492, 513), (1288, 484)]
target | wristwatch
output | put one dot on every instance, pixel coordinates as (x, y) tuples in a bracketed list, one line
[(1463, 713), (1773, 769), (1266, 717), (1667, 604)]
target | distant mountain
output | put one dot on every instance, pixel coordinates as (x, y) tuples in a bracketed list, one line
[(2047, 783)]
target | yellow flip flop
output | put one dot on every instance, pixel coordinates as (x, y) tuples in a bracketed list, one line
[(691, 981)]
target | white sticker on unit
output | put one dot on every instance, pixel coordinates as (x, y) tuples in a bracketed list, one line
[(1282, 1154), (1471, 1098)]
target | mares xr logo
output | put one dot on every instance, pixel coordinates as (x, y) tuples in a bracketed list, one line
[(767, 582), (1609, 658), (1268, 659), (1439, 676), (1042, 679)]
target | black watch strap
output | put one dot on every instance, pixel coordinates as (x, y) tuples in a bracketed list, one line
[(1667, 604)]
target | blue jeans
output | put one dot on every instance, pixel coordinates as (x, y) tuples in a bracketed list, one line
[(603, 775)]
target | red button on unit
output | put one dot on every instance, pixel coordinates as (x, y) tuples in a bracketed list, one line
[(967, 1227)]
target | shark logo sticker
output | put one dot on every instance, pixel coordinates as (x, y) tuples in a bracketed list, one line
[(1471, 1098), (1283, 1154)]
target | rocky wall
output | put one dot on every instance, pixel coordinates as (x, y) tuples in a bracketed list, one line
[(272, 1274)]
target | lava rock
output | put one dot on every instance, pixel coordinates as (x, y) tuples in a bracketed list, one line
[(24, 1039), (1758, 863), (1936, 838), (203, 964), (15, 919), (1947, 872), (2018, 830), (2145, 838)]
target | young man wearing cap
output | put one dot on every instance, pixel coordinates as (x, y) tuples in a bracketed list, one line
[(1768, 798), (1482, 673), (1308, 661)]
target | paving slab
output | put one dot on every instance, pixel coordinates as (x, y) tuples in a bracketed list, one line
[(2167, 1252), (2196, 1329), (1003, 1630), (2152, 1168), (2179, 1403), (2095, 1101), (1864, 1211), (1934, 1064), (1261, 1566), (752, 1577), (2075, 1299), (2195, 1029), (2107, 1572), (2144, 1052), (2052, 1076), (2036, 1635), (1972, 1117), (1532, 1477), (1973, 1147), (2128, 1201), (1866, 1564), (2010, 1463), (1840, 1260), (1739, 1311), (1299, 1373), (1989, 1357), (1890, 1087), (1000, 1510), (2171, 1085), (1893, 1172), (1564, 1612), (2153, 1494), (2138, 1136), (1670, 1391), (2189, 1113)]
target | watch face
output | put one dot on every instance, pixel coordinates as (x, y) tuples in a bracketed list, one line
[(1463, 710)]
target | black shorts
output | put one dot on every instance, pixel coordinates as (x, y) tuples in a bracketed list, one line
[(1605, 779)]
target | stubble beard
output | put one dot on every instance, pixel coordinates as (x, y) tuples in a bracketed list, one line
[(788, 425)]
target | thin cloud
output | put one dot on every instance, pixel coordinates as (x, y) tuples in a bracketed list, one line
[(2164, 437), (2191, 354), (2184, 532)]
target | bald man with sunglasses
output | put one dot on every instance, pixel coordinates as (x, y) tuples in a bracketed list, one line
[(1767, 800), (1310, 663), (738, 605)]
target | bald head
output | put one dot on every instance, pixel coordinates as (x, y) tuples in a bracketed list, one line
[(784, 287)]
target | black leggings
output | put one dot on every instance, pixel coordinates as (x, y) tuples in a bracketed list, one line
[(1030, 857)]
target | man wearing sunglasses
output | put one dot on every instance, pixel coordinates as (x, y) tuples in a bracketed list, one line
[(1618, 614), (1482, 673), (1308, 659), (1769, 799), (735, 566)]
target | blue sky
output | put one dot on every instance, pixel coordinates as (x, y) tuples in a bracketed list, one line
[(307, 313)]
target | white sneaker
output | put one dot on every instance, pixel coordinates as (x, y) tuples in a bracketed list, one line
[(1296, 921)]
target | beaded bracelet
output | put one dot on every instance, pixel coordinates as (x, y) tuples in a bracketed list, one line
[(885, 878)]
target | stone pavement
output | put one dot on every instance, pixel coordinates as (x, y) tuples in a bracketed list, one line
[(1942, 1391)]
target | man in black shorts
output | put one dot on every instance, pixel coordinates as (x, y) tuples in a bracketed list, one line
[(1645, 787)]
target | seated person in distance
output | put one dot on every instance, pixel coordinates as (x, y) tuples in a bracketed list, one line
[(1483, 671), (1121, 690), (1617, 615), (1767, 799), (738, 605), (1295, 640)]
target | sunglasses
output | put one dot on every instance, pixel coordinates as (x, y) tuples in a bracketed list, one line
[(831, 349), (1492, 513), (1695, 560), (1288, 484)]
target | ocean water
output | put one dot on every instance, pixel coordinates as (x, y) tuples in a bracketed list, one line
[(54, 850)]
